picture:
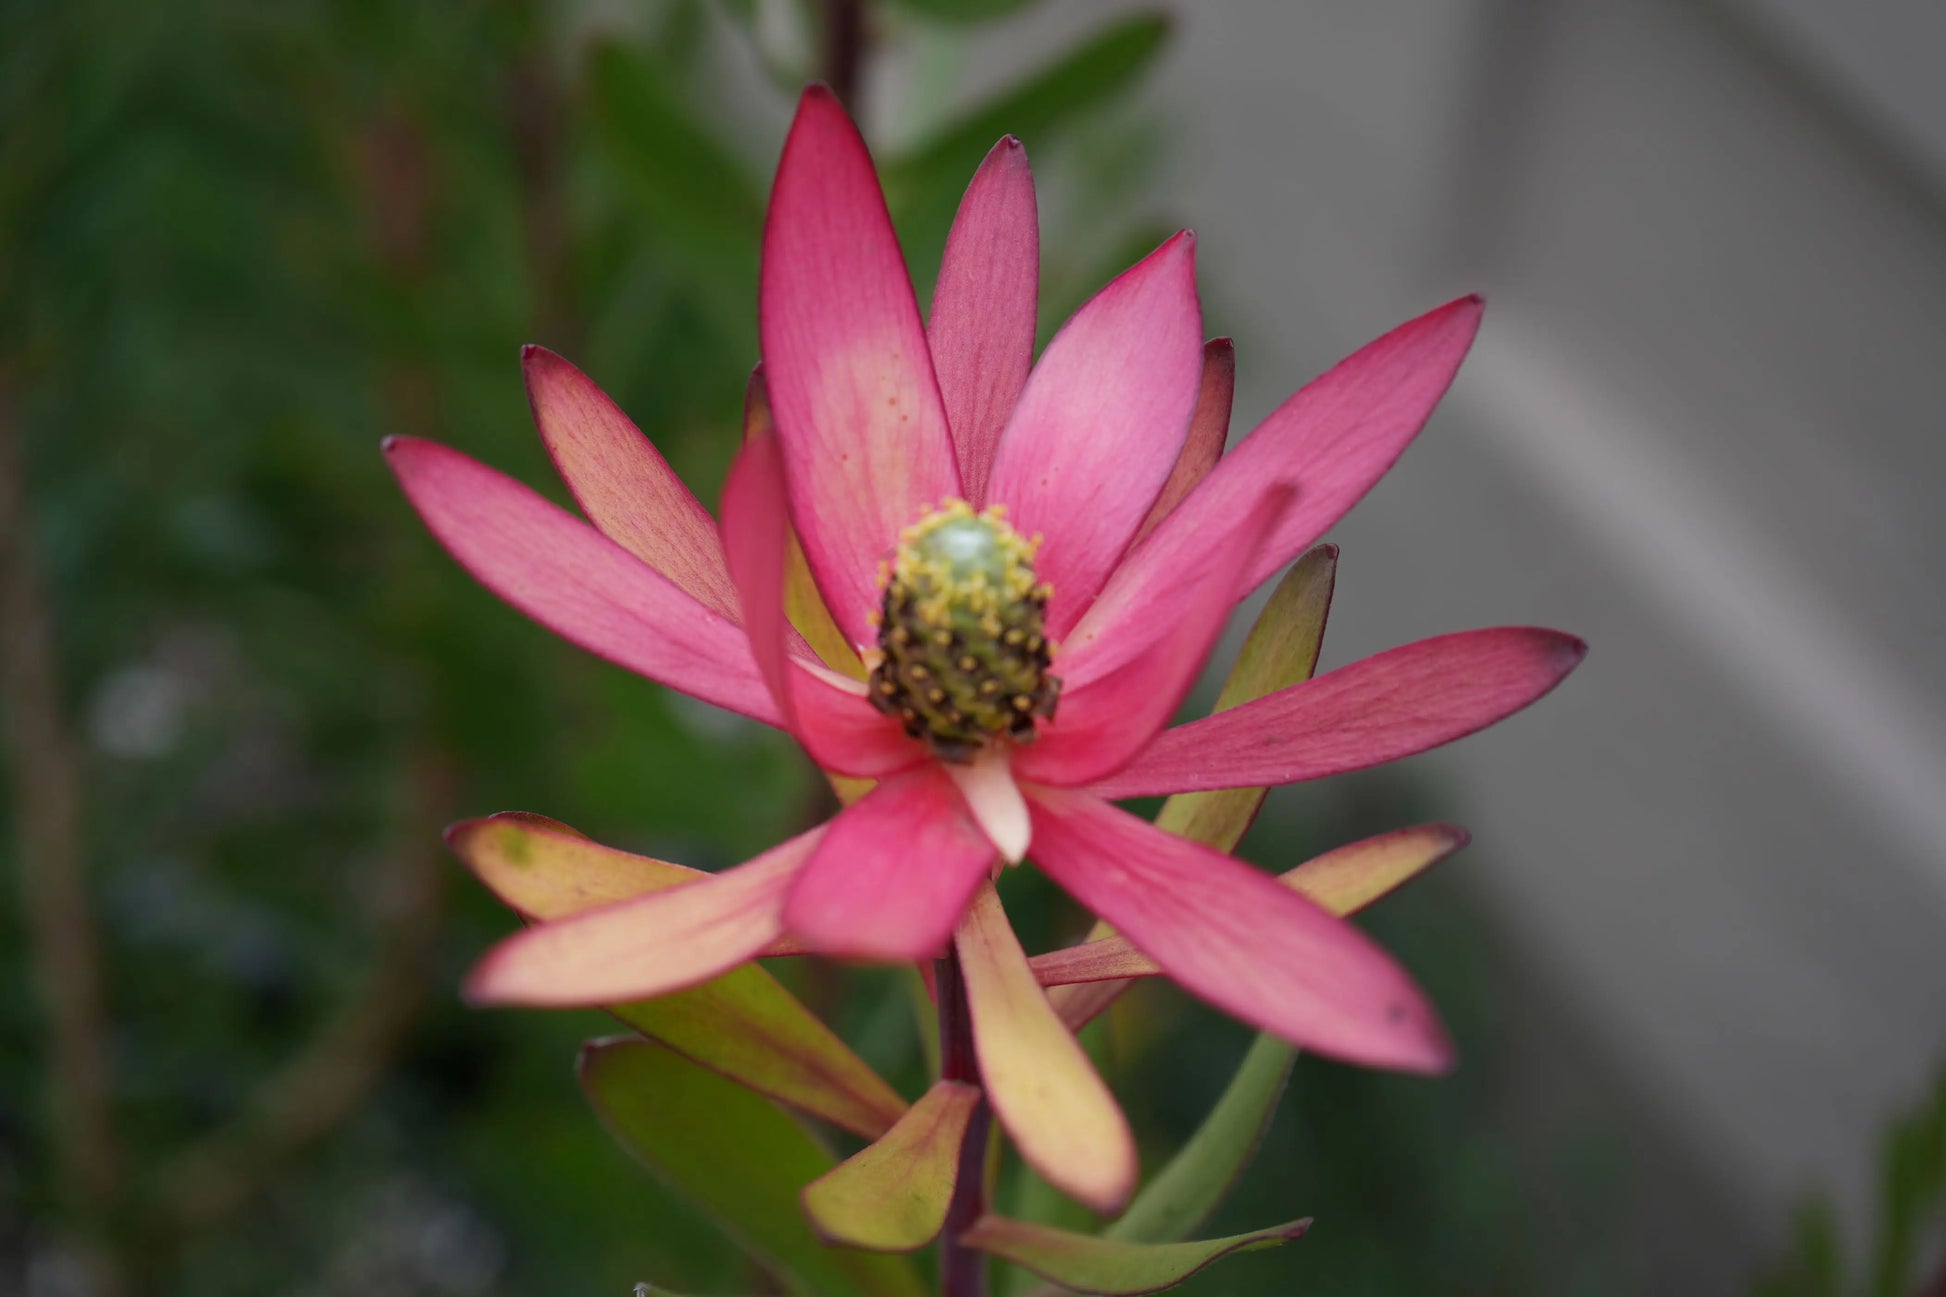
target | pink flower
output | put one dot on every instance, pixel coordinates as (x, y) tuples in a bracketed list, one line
[(1023, 664)]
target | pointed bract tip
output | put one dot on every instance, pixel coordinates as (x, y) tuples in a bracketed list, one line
[(1456, 835), (386, 445), (1225, 346), (817, 92), (452, 833)]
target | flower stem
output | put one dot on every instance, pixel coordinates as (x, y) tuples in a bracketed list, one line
[(962, 1271)]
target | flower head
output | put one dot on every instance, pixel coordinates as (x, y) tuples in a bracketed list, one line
[(1027, 563)]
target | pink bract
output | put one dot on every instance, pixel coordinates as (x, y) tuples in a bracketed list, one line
[(1108, 448)]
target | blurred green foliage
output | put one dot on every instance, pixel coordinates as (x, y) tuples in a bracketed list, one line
[(239, 244)]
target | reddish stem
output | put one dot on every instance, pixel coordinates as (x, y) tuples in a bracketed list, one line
[(962, 1270)]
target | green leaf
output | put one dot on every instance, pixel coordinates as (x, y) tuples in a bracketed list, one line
[(746, 1026), (1281, 651), (892, 1195), (1083, 1263), (744, 1023), (1184, 1193), (963, 11), (738, 1157)]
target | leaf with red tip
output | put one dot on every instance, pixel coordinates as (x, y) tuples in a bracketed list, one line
[(1087, 1264), (739, 1158), (892, 1195), (743, 1024)]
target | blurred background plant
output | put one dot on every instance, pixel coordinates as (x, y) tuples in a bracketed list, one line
[(242, 690)]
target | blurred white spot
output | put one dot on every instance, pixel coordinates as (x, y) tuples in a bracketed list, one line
[(138, 712)]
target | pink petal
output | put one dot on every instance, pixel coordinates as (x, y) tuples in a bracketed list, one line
[(983, 309), (1101, 424), (1104, 720), (1209, 427), (1334, 439), (1238, 938), (894, 873), (1340, 882), (1392, 705), (624, 486), (841, 730), (575, 581), (866, 447), (652, 945), (1044, 1090)]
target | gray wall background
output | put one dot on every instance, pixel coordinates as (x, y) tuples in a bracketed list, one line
[(1702, 428)]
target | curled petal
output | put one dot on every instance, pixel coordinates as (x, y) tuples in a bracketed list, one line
[(1236, 937), (1379, 709), (864, 436), (1101, 424), (577, 582), (983, 309)]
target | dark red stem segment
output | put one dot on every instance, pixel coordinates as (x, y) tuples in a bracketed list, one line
[(962, 1271), (844, 50)]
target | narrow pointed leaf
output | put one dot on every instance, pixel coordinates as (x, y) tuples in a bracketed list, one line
[(1087, 1264), (892, 1195), (1183, 1194), (743, 1024), (1281, 650), (739, 1158)]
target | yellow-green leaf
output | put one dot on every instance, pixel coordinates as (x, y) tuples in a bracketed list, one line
[(892, 1195), (738, 1157), (1087, 1264), (743, 1023)]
